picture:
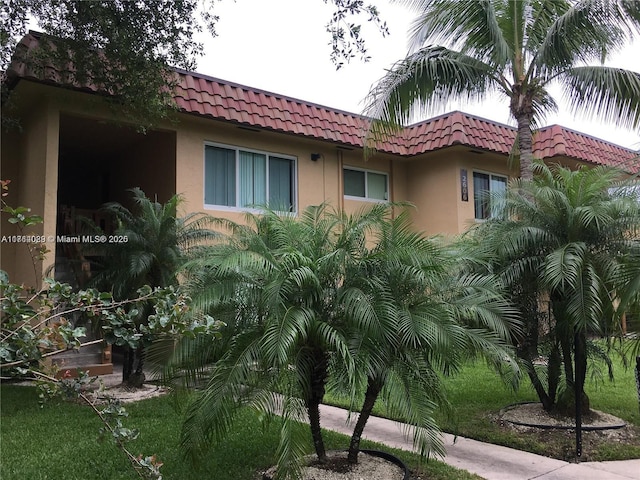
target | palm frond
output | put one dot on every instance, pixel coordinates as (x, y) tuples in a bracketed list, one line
[(472, 28), (424, 81), (333, 300), (585, 32), (611, 93)]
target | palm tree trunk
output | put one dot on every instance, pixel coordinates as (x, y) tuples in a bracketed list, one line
[(522, 110), (525, 145), (528, 347), (638, 379), (545, 399), (567, 399), (136, 378), (318, 380), (370, 397), (565, 344), (580, 352), (554, 369), (140, 356), (127, 365)]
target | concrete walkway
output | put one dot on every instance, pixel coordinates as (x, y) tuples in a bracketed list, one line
[(492, 462)]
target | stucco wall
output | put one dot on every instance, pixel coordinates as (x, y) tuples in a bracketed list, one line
[(10, 154), (431, 187), (434, 186), (317, 180), (34, 148), (171, 160)]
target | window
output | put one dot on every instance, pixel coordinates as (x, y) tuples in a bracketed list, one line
[(366, 184), (238, 178), (485, 186), (631, 191)]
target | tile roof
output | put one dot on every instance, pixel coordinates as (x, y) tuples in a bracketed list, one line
[(218, 99), (557, 140), (458, 128), (223, 100)]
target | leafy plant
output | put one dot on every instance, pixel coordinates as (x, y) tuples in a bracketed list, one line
[(157, 239), (330, 300), (567, 241), (346, 36), (34, 326)]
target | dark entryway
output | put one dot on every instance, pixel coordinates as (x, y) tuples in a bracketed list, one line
[(99, 162)]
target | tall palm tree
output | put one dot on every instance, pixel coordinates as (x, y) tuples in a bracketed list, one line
[(310, 303), (468, 49), (154, 242), (568, 236)]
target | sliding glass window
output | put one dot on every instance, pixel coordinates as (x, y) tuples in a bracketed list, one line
[(246, 179)]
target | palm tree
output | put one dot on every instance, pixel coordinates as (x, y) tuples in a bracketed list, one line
[(321, 301), (154, 242), (567, 237), (466, 50), (279, 282), (431, 318)]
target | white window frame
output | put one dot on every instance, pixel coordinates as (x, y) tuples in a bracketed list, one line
[(237, 149), (366, 185), (491, 174)]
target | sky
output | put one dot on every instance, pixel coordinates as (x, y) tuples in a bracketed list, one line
[(281, 46)]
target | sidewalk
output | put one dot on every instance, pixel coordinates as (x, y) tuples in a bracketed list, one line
[(492, 462)]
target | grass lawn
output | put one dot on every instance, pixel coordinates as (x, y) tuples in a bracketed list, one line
[(477, 396), (59, 442)]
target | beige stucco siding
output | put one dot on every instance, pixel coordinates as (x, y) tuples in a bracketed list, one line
[(432, 188), (434, 185), (74, 133), (317, 180), (33, 170)]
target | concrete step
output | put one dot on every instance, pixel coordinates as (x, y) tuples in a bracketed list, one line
[(73, 359)]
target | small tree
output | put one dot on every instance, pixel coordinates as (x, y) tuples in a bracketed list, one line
[(430, 318), (155, 240), (565, 241), (330, 299)]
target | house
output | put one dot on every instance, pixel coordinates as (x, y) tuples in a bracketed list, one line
[(231, 146)]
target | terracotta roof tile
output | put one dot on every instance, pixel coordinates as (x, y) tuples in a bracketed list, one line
[(558, 140), (203, 95), (459, 128)]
